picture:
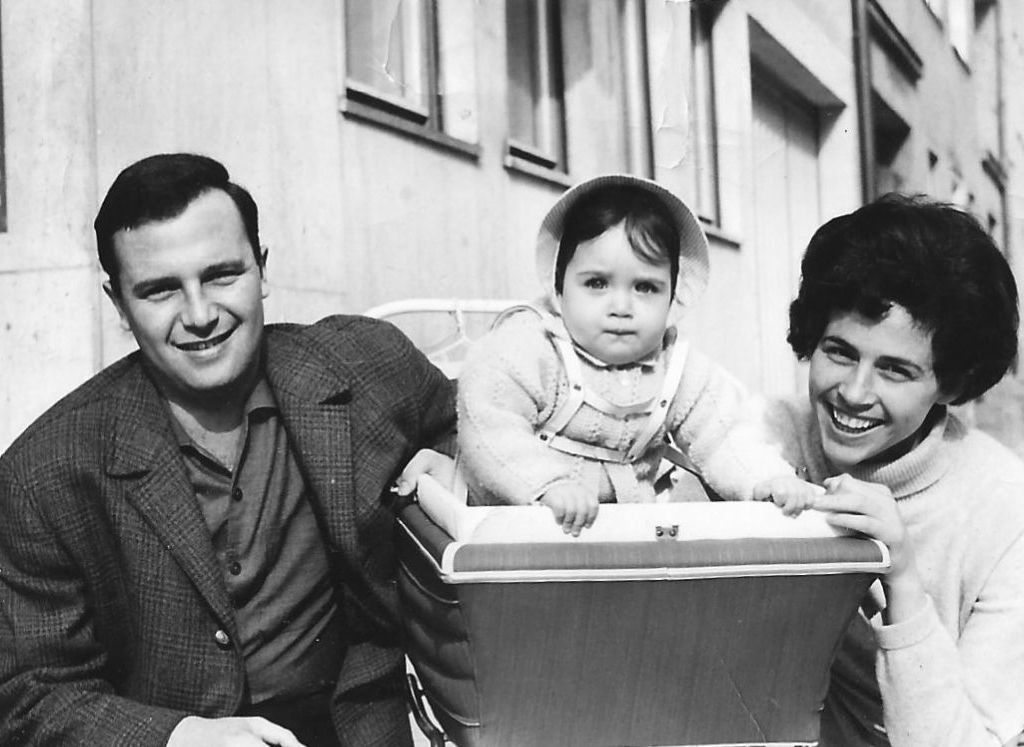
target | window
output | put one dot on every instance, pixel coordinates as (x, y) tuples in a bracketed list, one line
[(703, 137), (535, 97), (578, 99), (411, 64)]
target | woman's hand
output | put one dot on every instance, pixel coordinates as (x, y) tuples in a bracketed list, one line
[(789, 492), (574, 506), (869, 508)]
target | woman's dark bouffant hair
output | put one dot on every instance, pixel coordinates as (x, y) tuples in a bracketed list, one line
[(931, 258)]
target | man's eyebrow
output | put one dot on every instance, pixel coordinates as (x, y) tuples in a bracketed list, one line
[(144, 286), (231, 265)]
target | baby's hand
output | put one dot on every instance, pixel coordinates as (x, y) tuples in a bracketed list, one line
[(574, 506), (789, 492)]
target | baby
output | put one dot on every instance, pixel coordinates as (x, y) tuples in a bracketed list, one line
[(568, 401)]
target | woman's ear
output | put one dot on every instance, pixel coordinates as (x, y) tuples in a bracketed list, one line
[(953, 391)]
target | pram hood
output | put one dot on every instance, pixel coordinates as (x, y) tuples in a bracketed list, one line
[(693, 244)]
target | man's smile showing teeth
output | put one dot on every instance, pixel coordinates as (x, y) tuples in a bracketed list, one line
[(852, 423), (193, 347)]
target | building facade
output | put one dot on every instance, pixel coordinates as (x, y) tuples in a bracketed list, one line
[(409, 148)]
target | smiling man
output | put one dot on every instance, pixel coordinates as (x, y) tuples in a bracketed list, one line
[(197, 542)]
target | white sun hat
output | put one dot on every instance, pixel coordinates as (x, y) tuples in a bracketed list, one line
[(693, 244)]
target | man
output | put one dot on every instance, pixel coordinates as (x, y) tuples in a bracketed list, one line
[(196, 544)]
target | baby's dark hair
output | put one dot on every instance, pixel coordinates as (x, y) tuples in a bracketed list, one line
[(931, 258), (649, 226)]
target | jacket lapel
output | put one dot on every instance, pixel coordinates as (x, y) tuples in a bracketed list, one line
[(143, 452), (314, 397)]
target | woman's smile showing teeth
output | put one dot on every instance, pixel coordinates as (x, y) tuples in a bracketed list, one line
[(852, 423)]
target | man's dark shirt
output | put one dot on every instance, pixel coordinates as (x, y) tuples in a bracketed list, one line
[(272, 554)]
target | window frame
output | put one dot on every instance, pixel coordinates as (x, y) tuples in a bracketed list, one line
[(547, 73), (706, 189), (570, 157), (361, 101)]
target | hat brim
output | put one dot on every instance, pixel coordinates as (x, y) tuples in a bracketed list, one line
[(693, 244)]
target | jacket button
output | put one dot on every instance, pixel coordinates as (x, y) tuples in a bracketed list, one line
[(222, 638)]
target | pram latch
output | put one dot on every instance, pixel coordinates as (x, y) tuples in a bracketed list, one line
[(668, 532)]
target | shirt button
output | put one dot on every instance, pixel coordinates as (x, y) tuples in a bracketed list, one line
[(236, 494), (222, 639), (235, 568)]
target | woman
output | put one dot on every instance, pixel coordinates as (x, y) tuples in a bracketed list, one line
[(905, 307)]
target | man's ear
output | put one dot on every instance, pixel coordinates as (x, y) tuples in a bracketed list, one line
[(115, 299)]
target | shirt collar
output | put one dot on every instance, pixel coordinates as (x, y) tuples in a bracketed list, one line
[(260, 400)]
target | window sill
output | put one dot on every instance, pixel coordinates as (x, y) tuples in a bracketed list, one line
[(718, 235), (520, 165), (362, 112)]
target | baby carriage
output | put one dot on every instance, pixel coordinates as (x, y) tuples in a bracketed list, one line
[(696, 623)]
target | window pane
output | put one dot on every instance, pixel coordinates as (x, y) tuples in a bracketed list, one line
[(456, 22), (704, 147), (605, 87), (534, 90), (386, 48)]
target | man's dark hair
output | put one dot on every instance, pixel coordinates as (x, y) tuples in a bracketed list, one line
[(931, 258), (649, 227), (160, 187)]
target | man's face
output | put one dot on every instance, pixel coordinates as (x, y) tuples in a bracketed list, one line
[(192, 294)]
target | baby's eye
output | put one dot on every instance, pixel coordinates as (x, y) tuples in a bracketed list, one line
[(646, 287), (595, 283)]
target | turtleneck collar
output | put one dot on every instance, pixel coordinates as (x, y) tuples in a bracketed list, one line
[(918, 469)]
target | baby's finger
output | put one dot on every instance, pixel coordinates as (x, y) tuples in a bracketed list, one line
[(591, 515), (579, 519), (559, 511)]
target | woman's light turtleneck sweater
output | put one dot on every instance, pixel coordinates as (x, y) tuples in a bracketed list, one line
[(953, 674)]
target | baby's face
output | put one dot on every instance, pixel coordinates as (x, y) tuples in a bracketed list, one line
[(615, 304)]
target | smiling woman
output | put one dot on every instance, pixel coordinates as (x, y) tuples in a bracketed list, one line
[(906, 306)]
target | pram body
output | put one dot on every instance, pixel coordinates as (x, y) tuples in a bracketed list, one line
[(664, 624)]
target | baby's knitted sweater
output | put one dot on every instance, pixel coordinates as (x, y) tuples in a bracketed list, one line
[(954, 673), (513, 380)]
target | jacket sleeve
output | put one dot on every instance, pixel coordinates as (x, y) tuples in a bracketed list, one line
[(507, 388), (723, 430), (53, 688)]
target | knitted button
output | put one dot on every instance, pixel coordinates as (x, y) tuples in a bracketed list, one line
[(222, 639)]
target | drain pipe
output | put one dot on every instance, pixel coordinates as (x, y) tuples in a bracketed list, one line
[(862, 82)]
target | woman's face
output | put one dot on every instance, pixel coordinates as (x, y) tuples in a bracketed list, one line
[(872, 385)]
